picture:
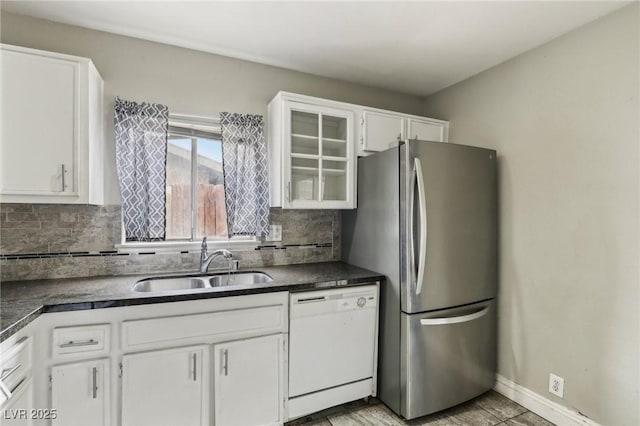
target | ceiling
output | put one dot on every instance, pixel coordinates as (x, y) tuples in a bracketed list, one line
[(416, 47)]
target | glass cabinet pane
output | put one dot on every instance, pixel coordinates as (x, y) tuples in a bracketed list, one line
[(304, 133), (334, 136), (334, 180), (320, 167), (334, 127), (304, 179)]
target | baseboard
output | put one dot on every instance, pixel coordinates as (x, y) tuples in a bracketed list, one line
[(552, 411)]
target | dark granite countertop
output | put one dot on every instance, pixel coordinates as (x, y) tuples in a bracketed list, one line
[(23, 301)]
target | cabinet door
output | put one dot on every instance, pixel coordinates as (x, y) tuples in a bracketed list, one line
[(166, 387), (40, 125), (249, 381), (319, 159), (426, 130), (80, 393), (380, 130), (17, 410)]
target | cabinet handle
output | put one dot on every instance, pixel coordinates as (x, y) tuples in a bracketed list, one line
[(95, 382), (225, 361), (9, 371), (195, 363), (64, 183), (73, 344), (289, 191), (5, 390)]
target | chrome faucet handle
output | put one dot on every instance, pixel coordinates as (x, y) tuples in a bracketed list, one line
[(235, 264), (203, 246)]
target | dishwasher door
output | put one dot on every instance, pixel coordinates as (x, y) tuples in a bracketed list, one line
[(331, 338)]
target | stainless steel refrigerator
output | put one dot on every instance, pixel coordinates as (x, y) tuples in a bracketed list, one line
[(427, 220)]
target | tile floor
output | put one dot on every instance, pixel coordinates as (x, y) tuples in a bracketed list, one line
[(486, 410)]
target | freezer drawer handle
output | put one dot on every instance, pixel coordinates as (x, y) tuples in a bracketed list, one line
[(455, 320)]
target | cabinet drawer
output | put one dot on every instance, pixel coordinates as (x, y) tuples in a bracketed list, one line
[(208, 326), (16, 363), (91, 340)]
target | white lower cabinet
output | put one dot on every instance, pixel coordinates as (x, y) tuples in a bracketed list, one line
[(166, 387), (19, 409), (249, 381), (80, 393)]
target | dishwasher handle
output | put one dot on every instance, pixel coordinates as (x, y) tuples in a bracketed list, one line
[(313, 299)]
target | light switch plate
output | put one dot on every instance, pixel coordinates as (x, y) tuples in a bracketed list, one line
[(275, 233)]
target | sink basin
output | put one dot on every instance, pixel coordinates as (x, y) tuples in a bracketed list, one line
[(239, 278), (186, 283), (170, 284)]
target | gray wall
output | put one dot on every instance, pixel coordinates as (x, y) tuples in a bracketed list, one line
[(188, 81), (564, 119)]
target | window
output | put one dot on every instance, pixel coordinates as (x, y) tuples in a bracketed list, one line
[(195, 204), (195, 185)]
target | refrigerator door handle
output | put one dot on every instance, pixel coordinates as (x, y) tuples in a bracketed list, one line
[(422, 199), (455, 320)]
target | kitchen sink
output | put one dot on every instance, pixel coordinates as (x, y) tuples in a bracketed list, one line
[(239, 278), (186, 283), (170, 284)]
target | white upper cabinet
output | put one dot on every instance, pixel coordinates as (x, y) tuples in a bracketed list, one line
[(380, 129), (311, 154), (51, 139), (427, 130), (313, 145)]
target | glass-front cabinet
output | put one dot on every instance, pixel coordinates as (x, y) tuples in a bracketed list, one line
[(318, 157)]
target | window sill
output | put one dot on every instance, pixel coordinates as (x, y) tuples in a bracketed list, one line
[(191, 246)]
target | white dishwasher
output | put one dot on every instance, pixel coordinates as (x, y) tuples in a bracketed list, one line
[(332, 347)]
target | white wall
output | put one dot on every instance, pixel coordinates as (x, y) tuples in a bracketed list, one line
[(564, 119), (188, 81)]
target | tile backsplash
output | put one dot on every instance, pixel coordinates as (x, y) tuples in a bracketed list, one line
[(39, 241)]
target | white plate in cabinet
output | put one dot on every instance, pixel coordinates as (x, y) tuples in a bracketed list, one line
[(86, 340), (51, 137)]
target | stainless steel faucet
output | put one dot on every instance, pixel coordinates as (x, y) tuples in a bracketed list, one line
[(206, 259)]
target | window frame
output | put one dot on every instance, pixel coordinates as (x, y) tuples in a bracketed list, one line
[(196, 124)]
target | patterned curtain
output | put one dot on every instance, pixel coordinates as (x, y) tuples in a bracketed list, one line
[(141, 154), (246, 185)]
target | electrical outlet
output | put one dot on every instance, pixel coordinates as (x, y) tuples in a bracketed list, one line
[(556, 385), (275, 233)]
